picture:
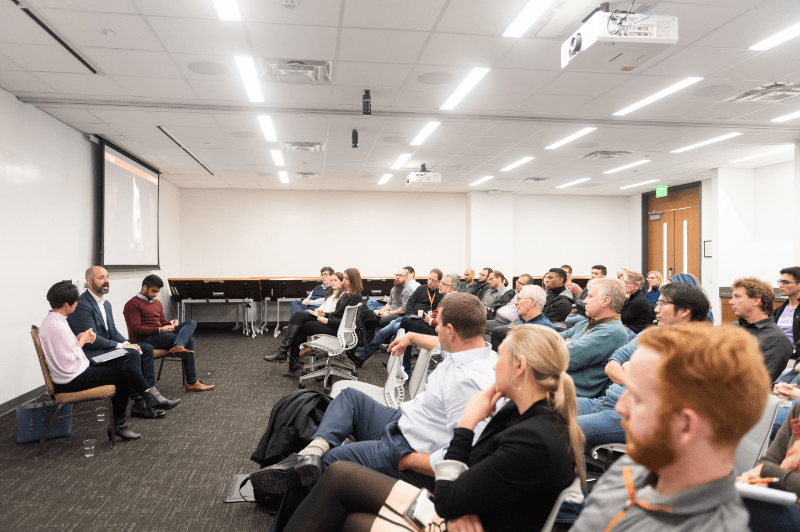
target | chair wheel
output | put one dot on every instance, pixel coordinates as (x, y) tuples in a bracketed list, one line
[(301, 386), (355, 374), (326, 391)]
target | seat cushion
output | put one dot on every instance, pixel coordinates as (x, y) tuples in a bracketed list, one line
[(161, 353), (92, 393)]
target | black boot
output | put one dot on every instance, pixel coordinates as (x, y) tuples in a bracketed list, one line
[(295, 366), (154, 399), (121, 429), (286, 345), (140, 409)]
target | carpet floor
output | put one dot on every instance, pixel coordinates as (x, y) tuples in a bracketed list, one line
[(176, 476)]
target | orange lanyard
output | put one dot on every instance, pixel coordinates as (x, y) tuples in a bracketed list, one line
[(627, 475), (431, 298)]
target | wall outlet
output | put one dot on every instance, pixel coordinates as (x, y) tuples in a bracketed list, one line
[(79, 284)]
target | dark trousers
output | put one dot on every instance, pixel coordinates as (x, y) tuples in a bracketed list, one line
[(498, 335), (417, 326), (310, 327), (122, 372), (182, 335), (767, 517), (145, 362)]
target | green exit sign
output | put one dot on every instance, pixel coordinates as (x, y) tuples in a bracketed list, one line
[(661, 192)]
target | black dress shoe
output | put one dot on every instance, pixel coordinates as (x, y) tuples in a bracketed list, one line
[(139, 409), (355, 359), (124, 433), (295, 471), (277, 357)]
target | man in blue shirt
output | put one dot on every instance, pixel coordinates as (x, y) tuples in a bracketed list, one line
[(317, 296)]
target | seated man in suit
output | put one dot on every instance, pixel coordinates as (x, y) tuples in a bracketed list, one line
[(146, 323), (591, 343), (94, 312), (681, 441), (317, 296), (414, 437)]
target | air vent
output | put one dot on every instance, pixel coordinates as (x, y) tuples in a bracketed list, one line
[(302, 146), (306, 175), (605, 155), (770, 93), (535, 179), (300, 72)]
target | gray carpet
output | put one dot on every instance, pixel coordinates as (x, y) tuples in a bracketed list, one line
[(176, 476)]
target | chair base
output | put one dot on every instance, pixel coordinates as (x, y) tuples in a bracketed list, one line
[(55, 417)]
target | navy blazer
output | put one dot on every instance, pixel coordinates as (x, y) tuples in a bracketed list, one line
[(87, 315)]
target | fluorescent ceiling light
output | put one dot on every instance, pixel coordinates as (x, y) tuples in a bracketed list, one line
[(782, 148), (637, 163), (785, 118), (572, 137), (639, 184), (782, 36), (284, 176), (705, 142), (529, 15), (401, 161), (227, 10), (426, 131), (657, 96), (266, 127), (481, 180), (247, 69), (565, 185), (384, 179), (277, 156), (518, 163), (472, 79)]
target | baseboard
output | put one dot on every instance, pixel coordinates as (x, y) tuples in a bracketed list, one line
[(27, 397)]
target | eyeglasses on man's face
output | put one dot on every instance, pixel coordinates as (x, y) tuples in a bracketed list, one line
[(784, 282), (661, 302)]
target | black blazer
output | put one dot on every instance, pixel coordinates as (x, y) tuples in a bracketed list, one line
[(776, 315), (87, 315), (637, 312), (517, 469), (335, 317), (502, 301)]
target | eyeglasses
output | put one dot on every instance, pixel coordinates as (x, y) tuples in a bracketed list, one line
[(445, 284), (784, 282), (660, 303), (523, 298)]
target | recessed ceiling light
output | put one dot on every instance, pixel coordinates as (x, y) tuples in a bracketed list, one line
[(639, 184), (706, 142), (207, 68), (284, 176), (227, 10), (277, 156), (427, 130), (782, 36), (244, 134), (637, 163), (108, 33), (712, 90), (786, 118), (572, 137), (471, 80), (565, 185), (771, 152), (266, 127), (401, 161), (436, 78), (481, 180), (657, 96), (247, 69), (527, 17), (518, 163), (384, 179)]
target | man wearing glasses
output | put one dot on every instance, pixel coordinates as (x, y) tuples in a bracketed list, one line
[(597, 418), (788, 320), (395, 305), (529, 303), (504, 311)]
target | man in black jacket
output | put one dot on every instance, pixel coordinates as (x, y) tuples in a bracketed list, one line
[(788, 318), (559, 299), (481, 284), (504, 311)]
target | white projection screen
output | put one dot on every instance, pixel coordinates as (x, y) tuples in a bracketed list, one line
[(130, 213)]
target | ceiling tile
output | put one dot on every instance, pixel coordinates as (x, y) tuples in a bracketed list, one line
[(381, 97), (17, 27), (126, 117), (187, 119), (390, 14), (198, 36), (774, 111), (479, 17), (551, 104), (7, 64), (727, 110), (761, 21), (283, 41), (369, 75), (451, 49), (583, 83), (380, 46), (537, 54), (177, 8), (156, 87), (83, 28), (698, 61), (772, 65), (117, 6), (307, 12), (134, 62), (69, 116), (87, 84), (43, 58), (208, 89)]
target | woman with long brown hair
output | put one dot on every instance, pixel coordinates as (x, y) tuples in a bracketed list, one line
[(509, 480)]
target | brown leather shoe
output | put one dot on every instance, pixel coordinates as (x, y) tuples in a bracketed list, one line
[(181, 352), (199, 387), (305, 352)]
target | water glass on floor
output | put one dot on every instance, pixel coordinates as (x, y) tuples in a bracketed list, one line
[(88, 448)]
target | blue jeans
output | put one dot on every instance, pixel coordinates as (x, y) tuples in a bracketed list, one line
[(790, 376), (375, 304), (298, 306), (572, 319), (380, 338), (766, 517), (599, 421), (780, 417), (418, 326), (380, 445), (181, 336)]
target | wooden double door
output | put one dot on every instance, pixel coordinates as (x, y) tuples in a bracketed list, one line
[(674, 239)]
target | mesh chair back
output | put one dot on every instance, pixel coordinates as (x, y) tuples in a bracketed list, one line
[(37, 343), (755, 443), (393, 391), (419, 376), (571, 493), (347, 328)]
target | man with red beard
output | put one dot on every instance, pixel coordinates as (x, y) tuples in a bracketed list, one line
[(682, 433)]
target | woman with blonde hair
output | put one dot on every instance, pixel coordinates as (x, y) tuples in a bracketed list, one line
[(653, 288), (509, 480)]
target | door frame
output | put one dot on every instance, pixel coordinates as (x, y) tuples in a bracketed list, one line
[(646, 220)]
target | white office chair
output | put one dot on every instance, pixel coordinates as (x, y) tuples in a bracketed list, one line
[(392, 393), (755, 443), (419, 377), (333, 348), (571, 493)]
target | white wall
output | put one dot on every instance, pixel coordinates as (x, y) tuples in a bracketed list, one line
[(47, 215)]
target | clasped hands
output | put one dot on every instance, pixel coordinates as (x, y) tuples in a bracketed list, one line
[(784, 390)]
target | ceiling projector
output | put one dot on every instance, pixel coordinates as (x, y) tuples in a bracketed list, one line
[(616, 42), (423, 179)]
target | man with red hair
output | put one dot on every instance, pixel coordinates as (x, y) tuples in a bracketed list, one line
[(682, 433)]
